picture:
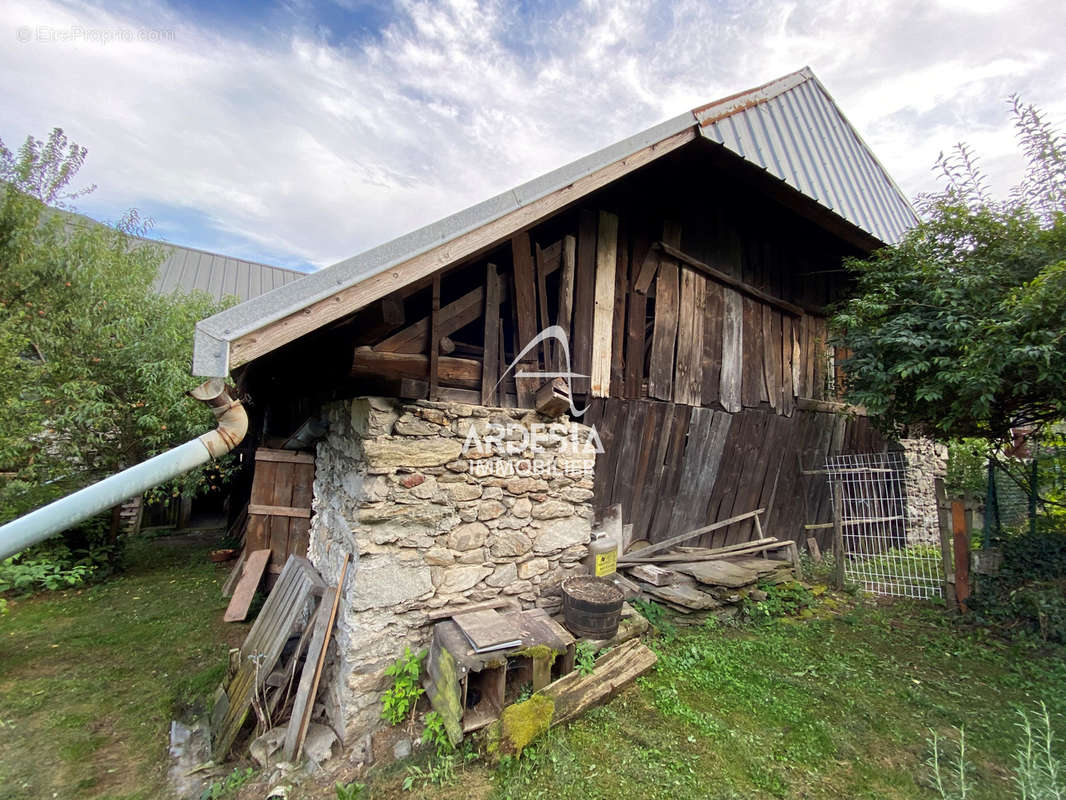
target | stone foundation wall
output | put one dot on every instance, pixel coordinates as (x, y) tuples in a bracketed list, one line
[(926, 461), (438, 503)]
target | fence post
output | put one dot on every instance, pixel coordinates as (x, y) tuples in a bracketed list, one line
[(838, 535), (962, 552), (945, 543)]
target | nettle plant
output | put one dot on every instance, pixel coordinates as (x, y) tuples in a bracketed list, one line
[(401, 698)]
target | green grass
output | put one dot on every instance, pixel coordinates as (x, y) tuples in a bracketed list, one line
[(836, 706), (90, 678)]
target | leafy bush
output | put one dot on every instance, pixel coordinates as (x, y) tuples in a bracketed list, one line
[(1029, 592), (79, 555)]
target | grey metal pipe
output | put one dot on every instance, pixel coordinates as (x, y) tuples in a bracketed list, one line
[(68, 511)]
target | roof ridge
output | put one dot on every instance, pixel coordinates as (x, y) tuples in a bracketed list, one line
[(724, 107)]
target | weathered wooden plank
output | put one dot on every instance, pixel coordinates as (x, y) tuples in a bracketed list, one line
[(732, 351), (462, 372), (526, 309), (254, 568), (434, 337), (664, 332), (584, 299), (490, 372), (728, 280), (671, 474), (640, 555), (771, 357), (453, 316), (636, 322), (624, 483), (643, 477), (788, 400), (618, 323), (283, 456), (566, 293), (547, 346), (688, 374), (279, 525), (603, 310), (712, 343), (303, 704), (749, 488), (279, 511), (303, 489), (257, 536), (687, 512), (753, 389), (576, 693)]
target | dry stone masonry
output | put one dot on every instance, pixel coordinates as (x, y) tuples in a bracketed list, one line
[(926, 461), (439, 504)]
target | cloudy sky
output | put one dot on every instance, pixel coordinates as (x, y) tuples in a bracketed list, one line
[(301, 132)]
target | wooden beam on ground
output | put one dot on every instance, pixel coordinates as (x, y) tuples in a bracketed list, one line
[(490, 372), (525, 291), (684, 537), (736, 551), (576, 693), (415, 337), (462, 372), (603, 309)]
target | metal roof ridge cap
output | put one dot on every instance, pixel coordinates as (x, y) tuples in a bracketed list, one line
[(229, 325), (727, 106), (866, 147)]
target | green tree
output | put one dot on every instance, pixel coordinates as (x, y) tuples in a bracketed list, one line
[(93, 363), (959, 329)]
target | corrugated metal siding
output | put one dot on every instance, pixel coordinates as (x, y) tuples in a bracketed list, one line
[(186, 270), (801, 136)]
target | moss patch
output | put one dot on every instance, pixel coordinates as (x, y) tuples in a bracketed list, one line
[(519, 725)]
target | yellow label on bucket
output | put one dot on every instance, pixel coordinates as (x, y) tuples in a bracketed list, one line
[(606, 563)]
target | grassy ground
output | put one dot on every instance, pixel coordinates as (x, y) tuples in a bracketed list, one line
[(839, 706), (836, 706), (90, 678)]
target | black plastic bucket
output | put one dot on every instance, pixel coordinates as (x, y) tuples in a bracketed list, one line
[(592, 607)]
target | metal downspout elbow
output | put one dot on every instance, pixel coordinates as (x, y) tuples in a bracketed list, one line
[(229, 413)]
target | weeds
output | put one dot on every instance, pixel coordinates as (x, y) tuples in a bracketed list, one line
[(228, 785), (585, 658), (350, 791), (400, 699)]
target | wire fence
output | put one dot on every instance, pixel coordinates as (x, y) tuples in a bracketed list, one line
[(883, 553)]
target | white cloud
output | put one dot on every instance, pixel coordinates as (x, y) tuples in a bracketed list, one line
[(294, 145)]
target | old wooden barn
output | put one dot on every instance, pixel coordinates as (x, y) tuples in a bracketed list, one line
[(688, 270)]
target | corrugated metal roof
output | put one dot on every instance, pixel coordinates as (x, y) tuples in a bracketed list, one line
[(185, 269), (791, 127), (794, 130)]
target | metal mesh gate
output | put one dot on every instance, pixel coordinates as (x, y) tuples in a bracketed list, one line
[(882, 551)]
